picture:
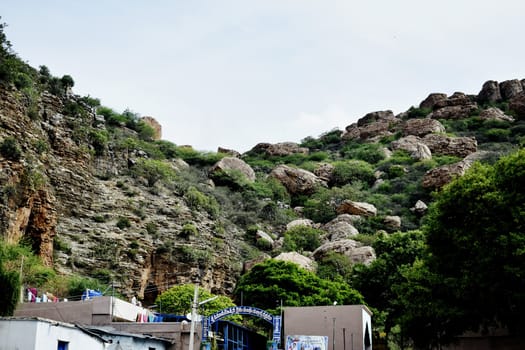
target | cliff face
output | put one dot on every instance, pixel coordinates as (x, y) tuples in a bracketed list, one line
[(70, 185), (58, 190)]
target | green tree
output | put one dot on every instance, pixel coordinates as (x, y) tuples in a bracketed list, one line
[(274, 280), (178, 299), (476, 237), (10, 290), (67, 81), (377, 281)]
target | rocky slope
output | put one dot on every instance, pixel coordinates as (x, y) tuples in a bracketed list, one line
[(85, 211)]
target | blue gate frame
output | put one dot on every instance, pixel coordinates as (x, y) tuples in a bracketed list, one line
[(275, 320)]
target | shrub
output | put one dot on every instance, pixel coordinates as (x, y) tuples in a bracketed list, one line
[(188, 230), (99, 140), (153, 171), (198, 200), (10, 149), (414, 112), (368, 152), (123, 222), (497, 135), (301, 238), (151, 228), (351, 171)]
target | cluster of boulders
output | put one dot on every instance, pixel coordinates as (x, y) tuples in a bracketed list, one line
[(422, 137)]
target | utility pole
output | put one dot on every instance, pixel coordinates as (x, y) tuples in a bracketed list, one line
[(194, 305), (22, 281), (193, 315)]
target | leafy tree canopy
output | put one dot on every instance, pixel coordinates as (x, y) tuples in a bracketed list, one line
[(476, 237), (273, 280), (177, 300)]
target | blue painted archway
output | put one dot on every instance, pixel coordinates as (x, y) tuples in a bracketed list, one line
[(275, 320)]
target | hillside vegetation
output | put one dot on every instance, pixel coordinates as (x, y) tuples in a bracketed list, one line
[(418, 215)]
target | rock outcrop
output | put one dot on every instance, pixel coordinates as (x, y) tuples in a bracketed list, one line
[(452, 146), (414, 146), (155, 125), (299, 259), (348, 247), (296, 181), (357, 208), (489, 93), (421, 127), (285, 149), (432, 99), (227, 165)]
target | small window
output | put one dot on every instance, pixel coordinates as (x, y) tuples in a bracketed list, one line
[(150, 348), (62, 345)]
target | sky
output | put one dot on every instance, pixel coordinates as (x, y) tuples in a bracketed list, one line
[(234, 73)]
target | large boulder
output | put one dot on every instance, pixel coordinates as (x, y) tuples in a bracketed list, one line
[(452, 146), (371, 131), (457, 106), (422, 126), (338, 229), (356, 208), (372, 117), (155, 125), (414, 146), (296, 181), (348, 247), (393, 222), (489, 92), (419, 208), (495, 114), (440, 176), (285, 149), (517, 105), (230, 152), (362, 255), (299, 222), (432, 99), (228, 164), (325, 171), (510, 88), (263, 236), (298, 259), (376, 130)]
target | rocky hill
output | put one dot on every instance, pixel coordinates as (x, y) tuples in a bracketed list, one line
[(97, 193)]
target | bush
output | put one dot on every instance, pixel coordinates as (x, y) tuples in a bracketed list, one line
[(123, 222), (368, 152), (198, 200), (153, 171), (301, 238), (346, 172), (10, 149), (414, 112), (188, 230), (99, 140)]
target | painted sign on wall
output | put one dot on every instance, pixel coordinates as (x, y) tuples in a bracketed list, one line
[(306, 342)]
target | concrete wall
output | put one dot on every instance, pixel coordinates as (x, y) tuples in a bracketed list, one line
[(96, 311), (344, 325), (34, 334)]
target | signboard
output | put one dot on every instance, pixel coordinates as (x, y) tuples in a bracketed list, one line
[(306, 342), (244, 310), (241, 310)]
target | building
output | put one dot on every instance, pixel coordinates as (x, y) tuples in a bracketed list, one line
[(347, 327), (33, 333)]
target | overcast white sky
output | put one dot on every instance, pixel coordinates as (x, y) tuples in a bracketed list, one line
[(234, 73)]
